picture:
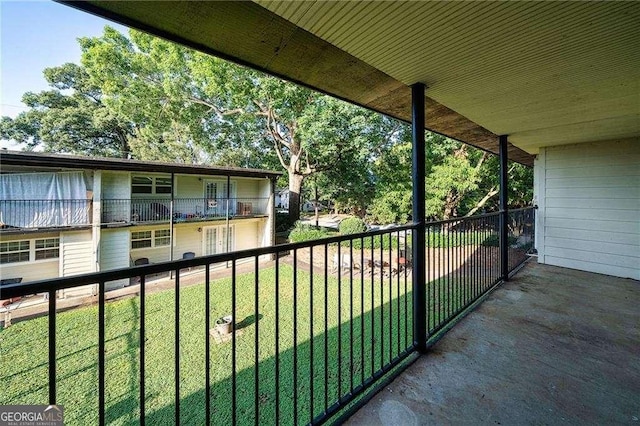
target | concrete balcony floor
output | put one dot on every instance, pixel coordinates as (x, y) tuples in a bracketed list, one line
[(552, 346)]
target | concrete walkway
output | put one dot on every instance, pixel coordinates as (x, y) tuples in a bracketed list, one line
[(553, 346)]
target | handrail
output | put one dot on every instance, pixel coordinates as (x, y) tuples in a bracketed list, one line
[(22, 289)]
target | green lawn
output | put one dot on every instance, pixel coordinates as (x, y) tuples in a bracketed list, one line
[(23, 350)]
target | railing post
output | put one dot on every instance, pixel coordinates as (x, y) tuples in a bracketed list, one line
[(504, 212), (419, 284)]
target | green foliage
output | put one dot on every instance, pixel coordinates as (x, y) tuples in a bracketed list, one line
[(352, 225), (453, 239), (71, 117), (305, 232), (493, 240), (383, 241), (283, 222), (140, 96)]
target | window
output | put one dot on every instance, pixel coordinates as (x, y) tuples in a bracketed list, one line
[(150, 185), (20, 251), (141, 185), (141, 239), (162, 237), (14, 251), (48, 248), (150, 239)]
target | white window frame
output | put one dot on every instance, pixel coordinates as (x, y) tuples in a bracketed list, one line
[(153, 239), (32, 250), (154, 185), (36, 249)]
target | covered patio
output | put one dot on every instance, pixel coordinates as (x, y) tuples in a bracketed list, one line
[(549, 84), (555, 345)]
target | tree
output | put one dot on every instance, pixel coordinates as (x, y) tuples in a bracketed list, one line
[(69, 118), (175, 94), (460, 181)]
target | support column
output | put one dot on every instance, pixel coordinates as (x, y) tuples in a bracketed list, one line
[(419, 286), (504, 210)]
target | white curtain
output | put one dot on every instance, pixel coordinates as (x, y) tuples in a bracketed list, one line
[(32, 200)]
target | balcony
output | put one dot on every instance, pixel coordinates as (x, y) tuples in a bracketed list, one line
[(18, 215), (552, 346), (313, 326), (137, 211)]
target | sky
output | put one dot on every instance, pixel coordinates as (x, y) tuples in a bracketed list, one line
[(35, 35)]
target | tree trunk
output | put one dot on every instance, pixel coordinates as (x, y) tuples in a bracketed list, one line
[(295, 187)]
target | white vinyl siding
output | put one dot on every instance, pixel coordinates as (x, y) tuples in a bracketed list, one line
[(76, 249), (114, 253), (589, 207)]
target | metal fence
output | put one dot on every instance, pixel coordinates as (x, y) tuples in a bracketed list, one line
[(184, 209), (25, 214), (296, 333)]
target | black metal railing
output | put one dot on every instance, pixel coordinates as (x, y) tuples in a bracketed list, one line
[(26, 214), (315, 326), (184, 209), (463, 260)]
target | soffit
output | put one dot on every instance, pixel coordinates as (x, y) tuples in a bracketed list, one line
[(542, 72)]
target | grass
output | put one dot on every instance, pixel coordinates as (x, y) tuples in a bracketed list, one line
[(23, 350), (378, 328)]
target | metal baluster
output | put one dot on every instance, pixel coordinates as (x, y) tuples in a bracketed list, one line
[(326, 328), (311, 370), (101, 355), (207, 339), (177, 347), (234, 378), (277, 338), (295, 336), (351, 263), (142, 347), (256, 344), (52, 347)]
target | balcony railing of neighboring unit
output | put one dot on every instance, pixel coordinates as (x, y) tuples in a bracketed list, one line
[(303, 334), (184, 209), (29, 214)]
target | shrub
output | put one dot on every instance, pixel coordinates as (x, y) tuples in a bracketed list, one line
[(352, 225), (493, 240), (283, 222), (304, 232), (375, 242)]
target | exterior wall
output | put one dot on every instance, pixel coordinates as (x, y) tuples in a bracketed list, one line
[(589, 207), (114, 252), (116, 185), (76, 253), (248, 188), (76, 257), (246, 234), (187, 239), (32, 270), (189, 186)]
